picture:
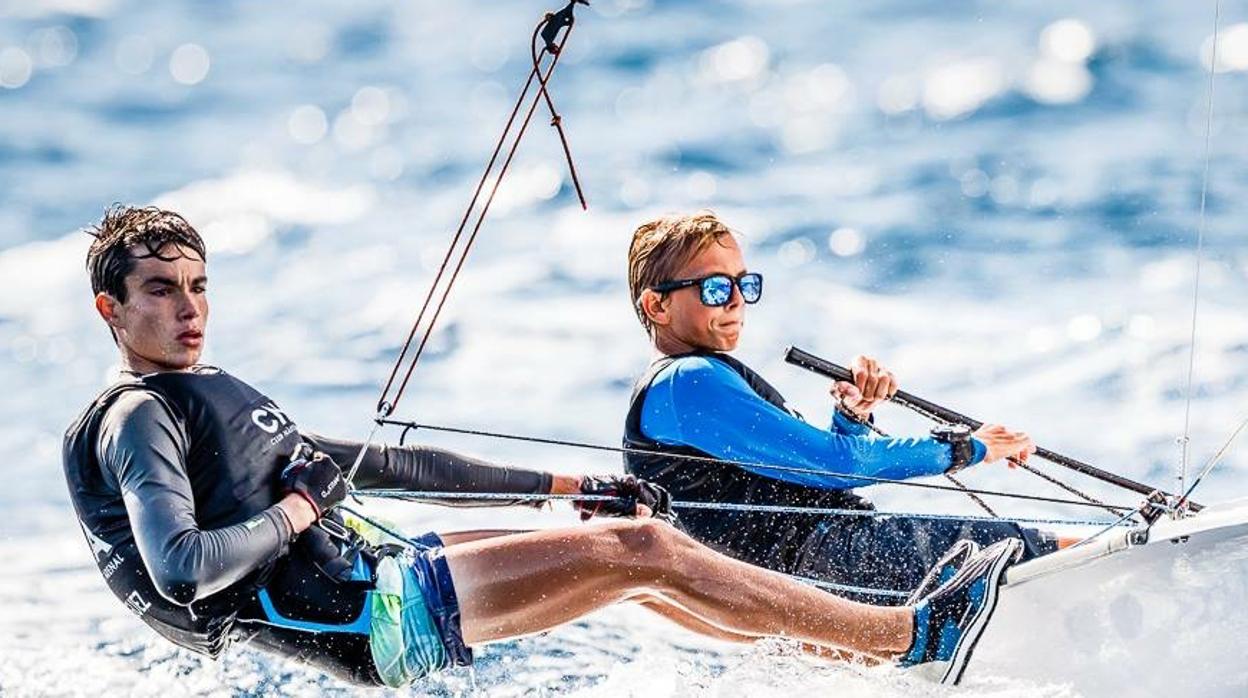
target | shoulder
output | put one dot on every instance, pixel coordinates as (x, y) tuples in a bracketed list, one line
[(685, 367), (136, 410), (699, 372)]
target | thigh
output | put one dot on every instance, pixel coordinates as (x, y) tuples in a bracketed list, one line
[(519, 584)]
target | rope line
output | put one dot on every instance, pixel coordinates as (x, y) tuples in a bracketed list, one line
[(1116, 511), (948, 476), (385, 404), (410, 425)]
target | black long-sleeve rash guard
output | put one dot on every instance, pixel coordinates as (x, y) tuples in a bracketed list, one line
[(143, 451)]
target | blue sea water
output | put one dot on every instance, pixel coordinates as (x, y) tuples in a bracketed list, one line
[(999, 200)]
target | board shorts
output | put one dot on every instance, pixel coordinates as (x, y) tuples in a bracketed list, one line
[(415, 621)]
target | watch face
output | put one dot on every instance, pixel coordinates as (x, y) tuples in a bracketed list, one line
[(951, 432)]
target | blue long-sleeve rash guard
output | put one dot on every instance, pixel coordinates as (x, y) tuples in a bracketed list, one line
[(701, 402)]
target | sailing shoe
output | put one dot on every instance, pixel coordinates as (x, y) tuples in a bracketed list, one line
[(943, 570), (949, 622)]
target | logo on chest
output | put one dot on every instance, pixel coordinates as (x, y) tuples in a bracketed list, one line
[(272, 420), (269, 418)]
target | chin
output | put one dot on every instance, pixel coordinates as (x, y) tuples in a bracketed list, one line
[(181, 361)]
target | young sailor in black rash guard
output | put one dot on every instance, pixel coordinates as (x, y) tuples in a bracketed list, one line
[(690, 287), (212, 517)]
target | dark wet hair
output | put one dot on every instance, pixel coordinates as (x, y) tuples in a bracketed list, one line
[(110, 258)]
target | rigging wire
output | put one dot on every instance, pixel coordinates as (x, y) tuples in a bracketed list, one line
[(1185, 440), (410, 425), (409, 495), (1212, 462)]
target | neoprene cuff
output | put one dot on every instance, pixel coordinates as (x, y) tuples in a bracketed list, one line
[(981, 451), (285, 528), (846, 423)]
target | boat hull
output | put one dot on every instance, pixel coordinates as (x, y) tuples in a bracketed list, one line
[(1169, 615)]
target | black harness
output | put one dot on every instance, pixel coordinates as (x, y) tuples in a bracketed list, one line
[(770, 539)]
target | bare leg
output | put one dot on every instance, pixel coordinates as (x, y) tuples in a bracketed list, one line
[(527, 583), (688, 621), (670, 611)]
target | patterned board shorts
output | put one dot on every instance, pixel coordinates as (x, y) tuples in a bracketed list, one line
[(415, 624)]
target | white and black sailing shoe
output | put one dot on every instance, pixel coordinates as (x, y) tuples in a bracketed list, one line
[(949, 622), (944, 569)]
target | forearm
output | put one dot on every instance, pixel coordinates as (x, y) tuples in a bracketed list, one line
[(142, 449), (807, 455), (429, 469), (565, 484), (187, 563)]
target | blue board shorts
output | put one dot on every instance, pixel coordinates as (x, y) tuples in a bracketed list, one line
[(415, 622)]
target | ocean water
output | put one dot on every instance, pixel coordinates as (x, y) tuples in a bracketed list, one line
[(998, 200)]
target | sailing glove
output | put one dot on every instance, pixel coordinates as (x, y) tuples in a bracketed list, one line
[(628, 492), (315, 477)]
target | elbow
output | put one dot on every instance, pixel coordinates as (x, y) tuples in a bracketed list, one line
[(178, 573), (181, 589)]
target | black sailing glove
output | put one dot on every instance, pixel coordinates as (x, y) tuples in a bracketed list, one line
[(316, 478), (628, 492)]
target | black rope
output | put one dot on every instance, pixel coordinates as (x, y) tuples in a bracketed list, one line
[(409, 425), (556, 21), (948, 476), (974, 497), (1034, 471), (387, 404), (1065, 486)]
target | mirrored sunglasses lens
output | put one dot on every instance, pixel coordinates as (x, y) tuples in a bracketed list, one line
[(751, 287), (716, 290)]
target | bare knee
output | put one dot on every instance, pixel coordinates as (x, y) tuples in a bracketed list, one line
[(642, 537), (650, 547)]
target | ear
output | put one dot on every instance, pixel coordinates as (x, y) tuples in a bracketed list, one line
[(655, 306), (110, 309)]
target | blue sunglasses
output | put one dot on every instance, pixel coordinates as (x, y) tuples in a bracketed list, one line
[(716, 289)]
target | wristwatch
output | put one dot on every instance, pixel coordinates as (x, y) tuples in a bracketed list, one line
[(958, 436)]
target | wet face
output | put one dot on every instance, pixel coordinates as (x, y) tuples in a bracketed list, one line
[(161, 325), (682, 323)]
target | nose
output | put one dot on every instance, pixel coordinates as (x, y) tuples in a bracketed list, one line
[(735, 300), (188, 309)]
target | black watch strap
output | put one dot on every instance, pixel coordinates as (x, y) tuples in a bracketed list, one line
[(962, 450)]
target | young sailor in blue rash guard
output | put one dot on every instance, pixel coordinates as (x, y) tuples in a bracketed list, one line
[(690, 287), (214, 518)]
